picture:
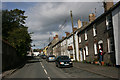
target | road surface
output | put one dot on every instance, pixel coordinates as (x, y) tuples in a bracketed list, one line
[(40, 68)]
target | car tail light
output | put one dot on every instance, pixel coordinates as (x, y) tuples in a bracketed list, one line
[(61, 62)]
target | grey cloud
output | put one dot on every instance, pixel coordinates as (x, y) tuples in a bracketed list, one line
[(45, 18)]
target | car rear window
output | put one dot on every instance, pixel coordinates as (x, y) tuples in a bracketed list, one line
[(63, 57), (51, 56)]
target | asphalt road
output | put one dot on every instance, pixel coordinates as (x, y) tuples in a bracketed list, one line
[(39, 68)]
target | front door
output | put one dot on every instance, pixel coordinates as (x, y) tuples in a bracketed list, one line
[(100, 46)]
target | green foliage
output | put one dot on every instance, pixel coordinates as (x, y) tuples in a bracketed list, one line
[(12, 19), (14, 31)]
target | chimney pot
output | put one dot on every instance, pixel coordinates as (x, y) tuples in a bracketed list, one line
[(53, 37), (79, 23), (74, 29), (63, 37), (92, 17), (67, 34), (56, 35)]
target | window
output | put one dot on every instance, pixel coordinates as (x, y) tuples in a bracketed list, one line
[(79, 39), (84, 55), (109, 21), (86, 35), (95, 48), (86, 48), (110, 45), (94, 30)]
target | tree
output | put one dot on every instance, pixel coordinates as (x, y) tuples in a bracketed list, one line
[(12, 19), (14, 31), (20, 39)]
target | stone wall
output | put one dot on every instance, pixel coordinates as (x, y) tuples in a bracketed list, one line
[(9, 57)]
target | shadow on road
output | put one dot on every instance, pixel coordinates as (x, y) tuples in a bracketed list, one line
[(33, 59)]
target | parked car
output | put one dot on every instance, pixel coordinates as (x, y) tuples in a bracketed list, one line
[(51, 58), (63, 61), (43, 56)]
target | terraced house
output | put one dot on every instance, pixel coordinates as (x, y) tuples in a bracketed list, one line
[(99, 34)]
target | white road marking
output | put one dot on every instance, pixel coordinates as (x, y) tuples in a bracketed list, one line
[(41, 64), (43, 67), (45, 71), (49, 78)]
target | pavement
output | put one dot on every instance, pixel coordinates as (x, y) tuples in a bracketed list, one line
[(107, 71), (11, 71)]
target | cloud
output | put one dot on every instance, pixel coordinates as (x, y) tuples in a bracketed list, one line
[(47, 17)]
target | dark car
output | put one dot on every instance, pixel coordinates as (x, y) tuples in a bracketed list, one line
[(63, 61), (43, 56), (51, 58)]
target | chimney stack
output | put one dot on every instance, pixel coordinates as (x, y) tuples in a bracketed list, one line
[(84, 23), (56, 36), (53, 37), (107, 5), (67, 34), (79, 23), (63, 37), (74, 29), (91, 17)]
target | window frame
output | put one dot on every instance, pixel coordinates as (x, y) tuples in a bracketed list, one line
[(86, 50), (94, 30), (86, 35), (110, 45), (80, 39), (109, 21), (95, 49)]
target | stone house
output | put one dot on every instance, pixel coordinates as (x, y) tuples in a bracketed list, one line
[(57, 48), (64, 46), (50, 50), (98, 34)]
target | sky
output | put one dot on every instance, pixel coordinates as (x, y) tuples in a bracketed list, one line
[(45, 19)]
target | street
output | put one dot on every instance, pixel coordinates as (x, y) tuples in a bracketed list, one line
[(40, 68)]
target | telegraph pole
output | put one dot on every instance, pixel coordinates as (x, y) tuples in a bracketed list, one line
[(73, 34)]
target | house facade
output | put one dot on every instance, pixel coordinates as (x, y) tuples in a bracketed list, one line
[(70, 47), (57, 49), (64, 46), (49, 50), (98, 35), (93, 39)]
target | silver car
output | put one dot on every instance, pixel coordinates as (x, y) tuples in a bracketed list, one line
[(51, 58)]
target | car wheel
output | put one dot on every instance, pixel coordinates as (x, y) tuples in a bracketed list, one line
[(58, 65)]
